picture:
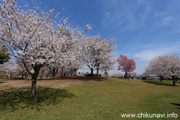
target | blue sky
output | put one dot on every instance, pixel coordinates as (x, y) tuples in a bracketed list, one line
[(143, 28)]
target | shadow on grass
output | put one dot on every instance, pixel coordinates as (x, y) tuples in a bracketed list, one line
[(79, 78), (176, 104), (1, 82), (86, 78), (158, 83), (20, 98)]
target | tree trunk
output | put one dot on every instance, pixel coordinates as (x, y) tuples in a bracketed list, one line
[(160, 78), (97, 70), (72, 72), (62, 72), (174, 83), (75, 72), (22, 77), (33, 89), (53, 74), (91, 72), (34, 81), (125, 75), (26, 75)]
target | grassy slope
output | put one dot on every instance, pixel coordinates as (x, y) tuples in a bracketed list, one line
[(106, 100)]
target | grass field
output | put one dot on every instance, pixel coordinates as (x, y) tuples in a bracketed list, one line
[(101, 100), (165, 82)]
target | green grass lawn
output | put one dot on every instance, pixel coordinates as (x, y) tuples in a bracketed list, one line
[(167, 82), (102, 100)]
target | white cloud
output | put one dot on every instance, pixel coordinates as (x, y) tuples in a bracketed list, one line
[(124, 14), (151, 51), (149, 54), (167, 21)]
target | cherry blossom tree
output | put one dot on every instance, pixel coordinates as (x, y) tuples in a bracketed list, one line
[(27, 36), (104, 58), (126, 65), (68, 52), (30, 36), (165, 66), (97, 53), (106, 65)]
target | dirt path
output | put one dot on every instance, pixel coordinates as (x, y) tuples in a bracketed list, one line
[(8, 84)]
